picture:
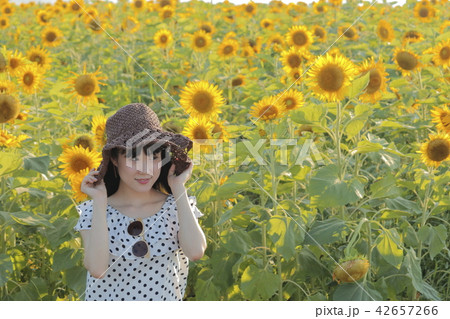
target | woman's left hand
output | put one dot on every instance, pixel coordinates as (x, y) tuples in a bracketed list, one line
[(175, 181)]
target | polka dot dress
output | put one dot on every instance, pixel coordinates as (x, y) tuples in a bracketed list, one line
[(160, 276)]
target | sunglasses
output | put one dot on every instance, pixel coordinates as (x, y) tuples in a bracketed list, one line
[(140, 248)]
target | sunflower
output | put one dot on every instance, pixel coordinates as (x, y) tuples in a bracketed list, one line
[(43, 17), (199, 130), (138, 5), (441, 116), (85, 85), (94, 24), (320, 7), (75, 6), (76, 159), (406, 61), (330, 76), (276, 41), (291, 99), (30, 78), (7, 9), (3, 63), (299, 36), (228, 48), (208, 27), (163, 38), (166, 12), (295, 77), (75, 182), (51, 36), (268, 108), (442, 54), (385, 31), (39, 56), (201, 99), (164, 3), (4, 23), (424, 12), (319, 33), (293, 59), (7, 140), (130, 24), (15, 62), (377, 80), (247, 51), (229, 14), (238, 81), (200, 41), (249, 9), (444, 25), (436, 150), (267, 24), (98, 129), (349, 32), (7, 87), (9, 108), (219, 127), (412, 36), (85, 141)]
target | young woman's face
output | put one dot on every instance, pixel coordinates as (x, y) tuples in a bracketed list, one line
[(139, 172)]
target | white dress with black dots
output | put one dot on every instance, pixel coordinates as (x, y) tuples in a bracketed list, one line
[(162, 276)]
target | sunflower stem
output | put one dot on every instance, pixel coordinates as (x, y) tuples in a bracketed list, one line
[(338, 138)]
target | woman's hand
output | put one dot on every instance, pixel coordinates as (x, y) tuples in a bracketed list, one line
[(95, 192), (175, 181)]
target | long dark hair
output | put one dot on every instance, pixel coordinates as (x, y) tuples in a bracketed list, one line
[(112, 182)]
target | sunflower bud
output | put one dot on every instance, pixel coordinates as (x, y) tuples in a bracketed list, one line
[(351, 270)]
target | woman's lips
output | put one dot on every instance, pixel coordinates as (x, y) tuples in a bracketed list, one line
[(143, 181)]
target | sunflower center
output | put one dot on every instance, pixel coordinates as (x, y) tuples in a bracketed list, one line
[(138, 4), (50, 36), (14, 63), (228, 49), (412, 35), (331, 78), (384, 33), (8, 108), (28, 79), (75, 7), (268, 111), (349, 33), (79, 163), (438, 150), (200, 42), (200, 134), (164, 3), (202, 101), (167, 14), (36, 58), (445, 120), (3, 22), (276, 41), (266, 24), (290, 103), (319, 9), (299, 38), (206, 28), (7, 10), (406, 60), (94, 25), (163, 38), (294, 61), (374, 82), (444, 54), (85, 85), (236, 82), (424, 12), (249, 8), (319, 33), (44, 18)]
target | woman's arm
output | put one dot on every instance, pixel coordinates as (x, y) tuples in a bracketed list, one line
[(190, 235), (95, 241)]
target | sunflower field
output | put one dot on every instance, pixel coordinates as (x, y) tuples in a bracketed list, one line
[(330, 122)]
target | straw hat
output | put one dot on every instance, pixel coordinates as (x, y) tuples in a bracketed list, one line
[(135, 125)]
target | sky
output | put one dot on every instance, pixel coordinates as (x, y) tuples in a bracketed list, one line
[(398, 2)]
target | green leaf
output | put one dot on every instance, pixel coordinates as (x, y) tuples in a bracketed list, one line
[(234, 183), (413, 266), (354, 127), (34, 290), (356, 292), (205, 290), (240, 206), (308, 114), (75, 278), (281, 232), (326, 232), (259, 284), (367, 147), (385, 187), (434, 237), (65, 258), (402, 204), (10, 161), (6, 268), (388, 247), (30, 219), (238, 241), (39, 164), (358, 85)]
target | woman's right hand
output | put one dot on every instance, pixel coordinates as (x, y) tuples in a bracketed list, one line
[(87, 186)]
